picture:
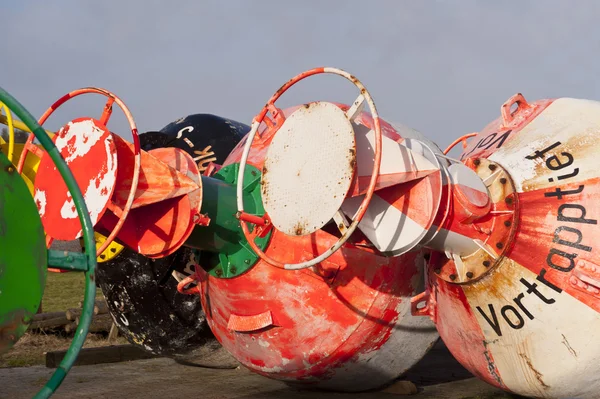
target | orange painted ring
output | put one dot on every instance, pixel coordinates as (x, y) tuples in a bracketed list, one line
[(112, 98), (372, 183)]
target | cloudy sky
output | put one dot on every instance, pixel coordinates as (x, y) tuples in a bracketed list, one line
[(443, 67)]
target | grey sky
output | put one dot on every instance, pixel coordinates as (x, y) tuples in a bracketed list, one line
[(442, 67)]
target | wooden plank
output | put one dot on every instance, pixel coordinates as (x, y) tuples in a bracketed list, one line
[(113, 333), (100, 323), (72, 314), (56, 322), (71, 327), (100, 307), (46, 316), (104, 354)]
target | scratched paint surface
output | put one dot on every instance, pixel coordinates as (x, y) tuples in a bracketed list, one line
[(345, 325), (23, 248), (89, 149), (537, 319), (321, 324), (541, 340)]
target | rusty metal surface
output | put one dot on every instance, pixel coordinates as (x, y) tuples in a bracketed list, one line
[(344, 324), (528, 324), (494, 230), (308, 168)]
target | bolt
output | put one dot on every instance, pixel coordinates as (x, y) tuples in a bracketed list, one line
[(10, 169), (486, 263), (469, 274), (247, 261), (219, 272), (492, 167), (476, 162), (503, 180), (508, 200), (499, 245), (507, 223), (232, 270), (437, 271), (453, 277)]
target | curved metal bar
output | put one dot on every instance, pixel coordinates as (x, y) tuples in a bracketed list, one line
[(11, 131), (88, 234), (462, 139)]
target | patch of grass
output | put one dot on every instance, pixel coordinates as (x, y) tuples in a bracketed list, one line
[(64, 291)]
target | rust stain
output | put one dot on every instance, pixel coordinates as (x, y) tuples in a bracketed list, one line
[(490, 364), (538, 375), (8, 331), (352, 160), (564, 341), (299, 228)]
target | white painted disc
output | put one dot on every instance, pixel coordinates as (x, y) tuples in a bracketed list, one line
[(308, 168)]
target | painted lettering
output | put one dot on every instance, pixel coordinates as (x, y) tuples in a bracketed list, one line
[(540, 154), (580, 219), (553, 163), (513, 316), (573, 244), (558, 192), (488, 142), (561, 254)]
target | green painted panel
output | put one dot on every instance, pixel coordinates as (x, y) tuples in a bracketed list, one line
[(22, 256)]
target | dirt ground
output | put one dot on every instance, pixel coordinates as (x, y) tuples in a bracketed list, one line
[(437, 376), (31, 348)]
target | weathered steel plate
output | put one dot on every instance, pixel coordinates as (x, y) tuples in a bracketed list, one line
[(308, 168), (89, 150), (22, 256)]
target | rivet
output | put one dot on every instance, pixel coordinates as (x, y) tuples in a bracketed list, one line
[(476, 162), (426, 256), (453, 277), (437, 271), (503, 180), (247, 261), (508, 200), (499, 245), (469, 274), (232, 269), (10, 169), (219, 273), (492, 167), (507, 223), (486, 263)]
